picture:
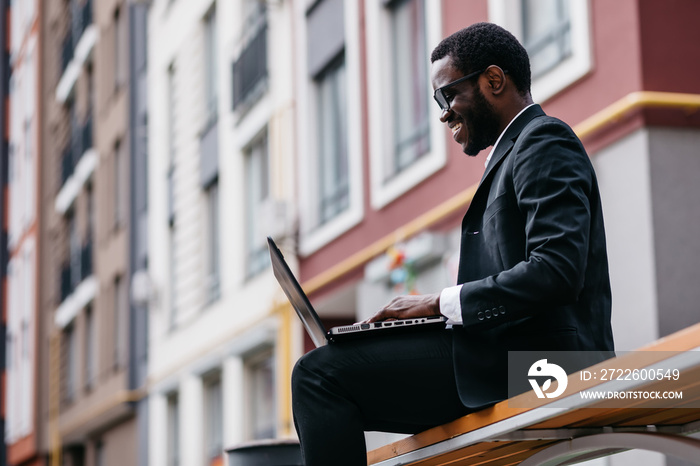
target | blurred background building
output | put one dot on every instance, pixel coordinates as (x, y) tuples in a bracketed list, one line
[(150, 146), (21, 162), (222, 153)]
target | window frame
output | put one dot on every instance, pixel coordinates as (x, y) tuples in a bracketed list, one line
[(90, 345), (211, 69), (312, 235), (213, 242), (508, 13), (254, 360), (70, 364), (120, 48), (213, 418), (120, 175), (173, 423), (333, 76), (384, 189), (253, 221)]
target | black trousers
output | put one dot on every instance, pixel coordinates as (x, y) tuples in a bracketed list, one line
[(396, 383)]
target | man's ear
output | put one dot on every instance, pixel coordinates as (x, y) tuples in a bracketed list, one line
[(496, 79)]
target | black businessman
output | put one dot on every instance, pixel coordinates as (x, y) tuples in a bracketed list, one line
[(533, 272)]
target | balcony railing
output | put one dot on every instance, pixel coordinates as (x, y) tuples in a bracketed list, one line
[(250, 68)]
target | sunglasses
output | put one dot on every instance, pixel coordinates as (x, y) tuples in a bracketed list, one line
[(439, 94)]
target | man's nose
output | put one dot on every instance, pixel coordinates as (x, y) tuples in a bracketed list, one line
[(444, 115)]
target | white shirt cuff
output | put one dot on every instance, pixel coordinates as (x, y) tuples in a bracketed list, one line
[(451, 305)]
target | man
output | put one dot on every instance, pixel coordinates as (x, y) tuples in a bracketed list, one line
[(533, 271)]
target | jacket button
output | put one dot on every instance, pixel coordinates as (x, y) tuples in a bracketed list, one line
[(495, 311), (480, 315), (502, 309), (488, 313)]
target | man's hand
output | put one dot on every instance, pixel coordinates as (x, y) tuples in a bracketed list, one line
[(408, 307)]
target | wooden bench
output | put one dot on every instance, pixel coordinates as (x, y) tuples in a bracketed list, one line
[(552, 431)]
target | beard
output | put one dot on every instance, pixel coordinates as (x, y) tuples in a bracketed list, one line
[(484, 125)]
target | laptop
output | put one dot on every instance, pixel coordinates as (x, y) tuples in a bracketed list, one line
[(312, 322)]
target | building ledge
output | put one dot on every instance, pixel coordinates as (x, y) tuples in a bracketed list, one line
[(84, 293), (83, 50), (110, 406), (71, 188)]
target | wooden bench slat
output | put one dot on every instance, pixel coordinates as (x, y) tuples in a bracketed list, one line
[(452, 429), (488, 453)]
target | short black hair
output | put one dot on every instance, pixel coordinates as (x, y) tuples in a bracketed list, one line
[(483, 44)]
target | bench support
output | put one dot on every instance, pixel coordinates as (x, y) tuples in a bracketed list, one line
[(685, 448)]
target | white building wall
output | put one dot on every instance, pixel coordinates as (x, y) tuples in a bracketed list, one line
[(22, 188), (221, 334)]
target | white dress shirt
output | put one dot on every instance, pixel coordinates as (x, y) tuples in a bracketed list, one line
[(450, 303)]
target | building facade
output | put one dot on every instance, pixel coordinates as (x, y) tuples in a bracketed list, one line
[(23, 427), (221, 151), (4, 162), (94, 379), (383, 188)]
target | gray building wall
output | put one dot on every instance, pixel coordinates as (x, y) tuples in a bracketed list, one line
[(624, 179), (650, 193), (674, 162)]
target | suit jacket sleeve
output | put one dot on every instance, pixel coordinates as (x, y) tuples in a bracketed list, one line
[(549, 181)]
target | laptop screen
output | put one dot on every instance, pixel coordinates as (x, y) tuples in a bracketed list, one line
[(296, 296)]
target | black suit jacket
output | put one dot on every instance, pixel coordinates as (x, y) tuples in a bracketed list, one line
[(533, 259)]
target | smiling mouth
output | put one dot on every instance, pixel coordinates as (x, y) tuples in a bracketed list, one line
[(455, 129)]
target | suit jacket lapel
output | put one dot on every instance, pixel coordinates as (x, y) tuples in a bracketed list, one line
[(509, 137), (504, 147)]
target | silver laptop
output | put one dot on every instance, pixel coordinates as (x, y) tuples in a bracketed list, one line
[(313, 324)]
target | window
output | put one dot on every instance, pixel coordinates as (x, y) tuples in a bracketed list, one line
[(100, 454), (332, 143), (69, 363), (120, 52), (121, 310), (172, 255), (249, 73), (173, 429), (257, 194), (172, 114), (546, 33), (120, 188), (211, 84), (556, 35), (213, 419), (75, 251), (213, 243), (260, 374), (170, 195), (409, 82), (90, 349), (407, 140), (330, 178)]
